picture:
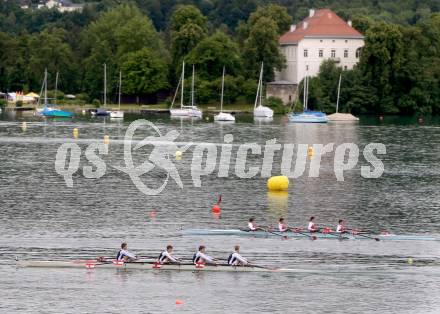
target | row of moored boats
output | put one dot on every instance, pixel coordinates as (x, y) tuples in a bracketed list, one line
[(260, 111)]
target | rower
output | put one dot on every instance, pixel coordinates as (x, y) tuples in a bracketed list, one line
[(341, 226), (312, 227), (166, 258), (252, 226), (235, 259), (201, 257), (124, 254), (282, 227)]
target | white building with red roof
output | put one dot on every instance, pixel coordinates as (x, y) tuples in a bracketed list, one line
[(322, 35)]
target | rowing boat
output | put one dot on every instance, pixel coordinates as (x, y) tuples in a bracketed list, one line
[(306, 234), (146, 266)]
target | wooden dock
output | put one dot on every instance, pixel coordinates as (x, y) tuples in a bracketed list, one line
[(154, 111)]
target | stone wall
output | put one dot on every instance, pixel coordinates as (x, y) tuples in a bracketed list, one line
[(286, 91)]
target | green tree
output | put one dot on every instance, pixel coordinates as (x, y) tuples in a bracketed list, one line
[(145, 72), (381, 58), (214, 52), (117, 32), (262, 46), (274, 12), (50, 50), (187, 14), (187, 29)]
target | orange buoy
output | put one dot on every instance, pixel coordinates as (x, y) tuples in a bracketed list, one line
[(216, 209), (153, 214), (179, 302)]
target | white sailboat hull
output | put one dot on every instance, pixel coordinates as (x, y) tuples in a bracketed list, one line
[(117, 114), (186, 111), (224, 116), (263, 112)]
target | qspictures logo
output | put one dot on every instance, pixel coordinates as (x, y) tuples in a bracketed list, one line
[(210, 157)]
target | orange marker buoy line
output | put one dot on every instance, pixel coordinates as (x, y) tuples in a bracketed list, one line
[(216, 208), (179, 302)]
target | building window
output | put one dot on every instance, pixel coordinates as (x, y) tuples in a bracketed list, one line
[(333, 54), (320, 41), (346, 41), (345, 67), (358, 53), (346, 53), (307, 67), (321, 53), (333, 41), (306, 53)]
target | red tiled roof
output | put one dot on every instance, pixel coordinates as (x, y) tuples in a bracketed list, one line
[(324, 23)]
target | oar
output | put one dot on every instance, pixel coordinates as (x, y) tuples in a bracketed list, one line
[(259, 266), (367, 237), (296, 230), (363, 235), (278, 234)]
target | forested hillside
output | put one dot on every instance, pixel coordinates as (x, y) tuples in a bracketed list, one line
[(399, 71)]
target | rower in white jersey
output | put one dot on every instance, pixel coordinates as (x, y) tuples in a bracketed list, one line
[(235, 259), (312, 227), (341, 226), (201, 257), (252, 226), (124, 254), (166, 258), (282, 226)]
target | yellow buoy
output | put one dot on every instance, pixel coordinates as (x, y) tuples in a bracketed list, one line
[(75, 133), (310, 151), (278, 183), (106, 139), (178, 154), (24, 126), (410, 261)]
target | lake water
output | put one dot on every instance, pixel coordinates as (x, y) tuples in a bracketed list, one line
[(42, 218)]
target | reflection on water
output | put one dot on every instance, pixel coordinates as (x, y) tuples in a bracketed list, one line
[(41, 218)]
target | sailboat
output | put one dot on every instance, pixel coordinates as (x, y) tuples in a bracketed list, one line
[(337, 116), (223, 116), (307, 116), (102, 111), (118, 113), (49, 110), (185, 111), (260, 110)]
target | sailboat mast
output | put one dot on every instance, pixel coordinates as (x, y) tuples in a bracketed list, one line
[(339, 91), (183, 79), (105, 85), (223, 88), (56, 88), (307, 91), (45, 87), (261, 82), (304, 95), (258, 91), (259, 88), (192, 88), (120, 87)]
